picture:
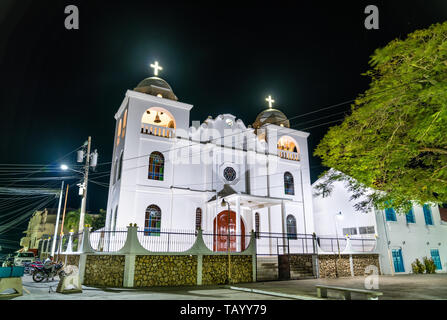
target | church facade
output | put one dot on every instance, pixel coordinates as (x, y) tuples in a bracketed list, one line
[(216, 175)]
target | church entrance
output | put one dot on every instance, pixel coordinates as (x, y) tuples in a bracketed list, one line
[(221, 223)]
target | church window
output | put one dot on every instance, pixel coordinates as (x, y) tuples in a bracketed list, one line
[(291, 227), (114, 218), (119, 132), (229, 174), (198, 218), (257, 225), (156, 166), (289, 187), (390, 214), (115, 172), (152, 221), (120, 166), (427, 215)]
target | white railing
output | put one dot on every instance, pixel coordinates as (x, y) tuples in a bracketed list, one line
[(157, 130), (295, 156)]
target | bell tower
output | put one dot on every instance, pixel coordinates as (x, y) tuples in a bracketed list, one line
[(149, 123)]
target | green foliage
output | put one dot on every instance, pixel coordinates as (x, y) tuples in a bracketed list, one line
[(430, 266), (394, 141), (100, 221), (418, 266), (72, 220)]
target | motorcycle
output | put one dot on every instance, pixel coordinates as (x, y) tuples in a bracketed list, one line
[(40, 273), (30, 267)]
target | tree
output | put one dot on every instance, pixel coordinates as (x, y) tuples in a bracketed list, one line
[(394, 142), (72, 220), (99, 221)]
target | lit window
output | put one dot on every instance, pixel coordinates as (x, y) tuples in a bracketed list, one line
[(152, 221), (198, 218), (291, 227), (156, 166), (289, 187)]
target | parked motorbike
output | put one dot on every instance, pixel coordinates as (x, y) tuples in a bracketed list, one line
[(30, 267), (40, 273)]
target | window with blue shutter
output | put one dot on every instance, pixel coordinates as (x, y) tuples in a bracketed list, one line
[(390, 214), (398, 261), (427, 215), (437, 260), (410, 216)]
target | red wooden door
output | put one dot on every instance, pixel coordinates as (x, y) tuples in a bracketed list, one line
[(221, 231)]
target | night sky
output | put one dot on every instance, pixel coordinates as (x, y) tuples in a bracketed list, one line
[(59, 86)]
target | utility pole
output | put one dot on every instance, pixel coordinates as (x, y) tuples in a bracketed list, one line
[(88, 157), (53, 246), (84, 187)]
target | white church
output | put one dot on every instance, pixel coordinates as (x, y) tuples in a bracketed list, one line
[(168, 175), (224, 175)]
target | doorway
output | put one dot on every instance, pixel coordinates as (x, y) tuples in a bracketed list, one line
[(227, 220)]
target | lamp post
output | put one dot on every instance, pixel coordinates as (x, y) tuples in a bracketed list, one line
[(337, 216), (228, 238)]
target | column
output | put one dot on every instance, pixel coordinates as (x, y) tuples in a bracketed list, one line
[(284, 225), (238, 223)]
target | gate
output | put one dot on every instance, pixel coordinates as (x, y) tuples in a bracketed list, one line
[(283, 267)]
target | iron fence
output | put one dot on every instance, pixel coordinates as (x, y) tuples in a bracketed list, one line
[(108, 240), (224, 241), (270, 243), (167, 240)]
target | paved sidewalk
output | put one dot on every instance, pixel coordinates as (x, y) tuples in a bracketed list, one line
[(398, 287), (40, 291)]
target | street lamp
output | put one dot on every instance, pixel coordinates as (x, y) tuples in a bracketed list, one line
[(228, 238), (338, 216)]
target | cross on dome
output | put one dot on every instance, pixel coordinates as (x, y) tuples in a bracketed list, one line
[(156, 67), (270, 101)]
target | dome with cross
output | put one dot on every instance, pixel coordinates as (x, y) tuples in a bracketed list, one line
[(156, 86), (272, 116)]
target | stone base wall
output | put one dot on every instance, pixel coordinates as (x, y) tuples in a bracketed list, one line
[(165, 271), (361, 261), (72, 259), (301, 265), (330, 265), (104, 270), (215, 269)]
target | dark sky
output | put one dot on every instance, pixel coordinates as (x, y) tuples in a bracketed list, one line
[(58, 86)]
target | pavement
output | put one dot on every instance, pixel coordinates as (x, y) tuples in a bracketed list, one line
[(398, 287)]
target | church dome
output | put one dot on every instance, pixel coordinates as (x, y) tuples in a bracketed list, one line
[(156, 86), (272, 116)]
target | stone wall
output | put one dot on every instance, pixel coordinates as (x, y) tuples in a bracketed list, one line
[(104, 270), (361, 261), (330, 265), (301, 266), (72, 259), (165, 270), (326, 264), (215, 269)]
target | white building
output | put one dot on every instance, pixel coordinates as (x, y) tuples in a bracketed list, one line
[(166, 173), (400, 238)]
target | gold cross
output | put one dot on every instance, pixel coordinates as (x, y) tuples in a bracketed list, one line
[(156, 68), (270, 101)]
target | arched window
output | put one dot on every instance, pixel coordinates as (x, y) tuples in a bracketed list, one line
[(257, 225), (291, 227), (198, 218), (289, 187), (120, 166), (114, 218), (152, 221), (156, 166), (115, 172)]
